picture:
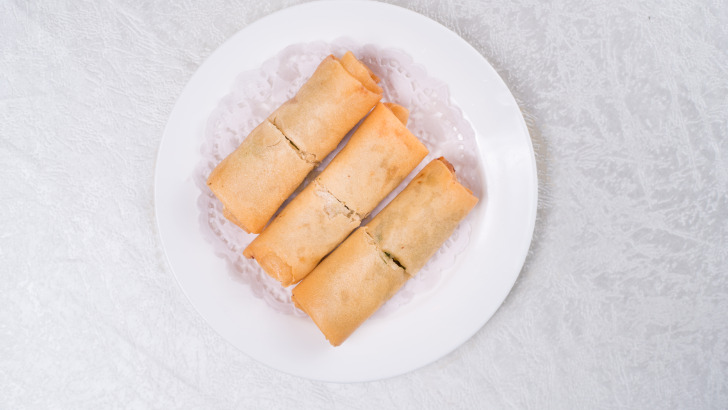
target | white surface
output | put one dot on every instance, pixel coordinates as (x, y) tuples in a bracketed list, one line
[(623, 301), (435, 323)]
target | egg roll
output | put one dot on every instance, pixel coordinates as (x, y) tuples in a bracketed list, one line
[(419, 220), (255, 179), (348, 286), (327, 106), (379, 155), (293, 242), (370, 266), (250, 188)]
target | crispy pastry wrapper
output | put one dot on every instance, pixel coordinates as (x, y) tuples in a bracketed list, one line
[(327, 106), (380, 154), (415, 224), (254, 180), (348, 287), (292, 245), (250, 188), (370, 266)]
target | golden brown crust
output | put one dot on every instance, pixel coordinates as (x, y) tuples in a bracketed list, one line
[(255, 179), (400, 112), (323, 111), (415, 224), (348, 286), (361, 72), (376, 159), (308, 228), (370, 266), (380, 154)]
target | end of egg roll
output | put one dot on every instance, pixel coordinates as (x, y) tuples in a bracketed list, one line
[(447, 164), (379, 155), (361, 72), (452, 171), (230, 217), (399, 111)]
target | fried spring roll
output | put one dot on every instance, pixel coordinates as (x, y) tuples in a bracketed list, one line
[(348, 286), (254, 180), (313, 221), (355, 280), (328, 105), (415, 224), (247, 184), (380, 154)]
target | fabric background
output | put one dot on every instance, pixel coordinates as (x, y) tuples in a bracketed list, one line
[(622, 302)]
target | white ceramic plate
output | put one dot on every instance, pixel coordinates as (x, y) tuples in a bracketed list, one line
[(431, 325)]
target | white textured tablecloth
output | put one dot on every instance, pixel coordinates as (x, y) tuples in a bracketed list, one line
[(622, 303)]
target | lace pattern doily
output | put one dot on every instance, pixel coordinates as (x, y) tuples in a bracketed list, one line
[(438, 123)]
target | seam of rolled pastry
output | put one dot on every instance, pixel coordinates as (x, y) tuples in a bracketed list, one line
[(245, 176), (310, 158), (317, 137), (384, 130), (350, 212), (272, 248), (361, 72), (348, 286), (367, 269), (377, 158), (400, 112), (434, 188), (384, 254), (287, 249), (255, 179)]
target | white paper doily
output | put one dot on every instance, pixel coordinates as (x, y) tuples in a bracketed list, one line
[(439, 124)]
